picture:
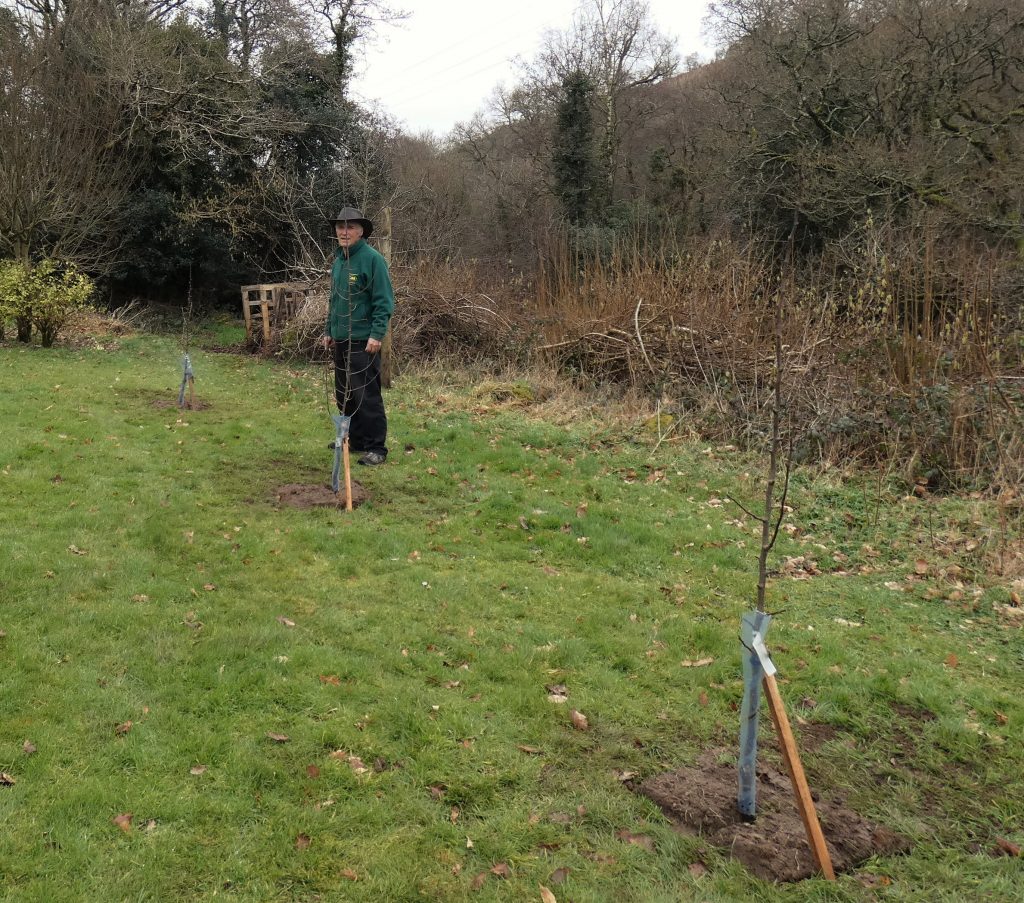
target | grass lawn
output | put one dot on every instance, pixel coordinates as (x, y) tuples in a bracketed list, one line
[(311, 705)]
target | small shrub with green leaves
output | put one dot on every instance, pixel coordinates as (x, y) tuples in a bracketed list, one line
[(44, 296)]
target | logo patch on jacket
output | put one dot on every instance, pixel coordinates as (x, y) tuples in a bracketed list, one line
[(353, 278)]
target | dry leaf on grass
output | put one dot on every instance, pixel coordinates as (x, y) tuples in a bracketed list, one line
[(557, 692), (501, 870), (698, 869), (288, 622), (478, 881), (579, 720), (278, 738), (1006, 847), (698, 663), (28, 747), (331, 679), (546, 896), (7, 780), (559, 875), (350, 874), (302, 842), (123, 821), (197, 770), (639, 840), (312, 771), (530, 750), (123, 728), (951, 661)]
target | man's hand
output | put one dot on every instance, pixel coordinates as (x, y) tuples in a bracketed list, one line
[(372, 346), (326, 341)]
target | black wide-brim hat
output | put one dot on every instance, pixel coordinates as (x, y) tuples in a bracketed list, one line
[(351, 215)]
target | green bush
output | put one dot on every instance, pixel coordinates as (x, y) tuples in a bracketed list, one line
[(43, 296)]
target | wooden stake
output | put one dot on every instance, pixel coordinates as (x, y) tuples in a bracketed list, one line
[(348, 475), (191, 393), (804, 803)]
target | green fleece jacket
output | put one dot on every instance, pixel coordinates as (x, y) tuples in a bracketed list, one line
[(362, 299)]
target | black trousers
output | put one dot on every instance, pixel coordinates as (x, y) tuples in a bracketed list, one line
[(357, 391)]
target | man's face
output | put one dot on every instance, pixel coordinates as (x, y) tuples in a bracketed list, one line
[(348, 233)]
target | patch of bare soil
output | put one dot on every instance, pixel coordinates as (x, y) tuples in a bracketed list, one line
[(702, 800), (196, 404), (302, 495)]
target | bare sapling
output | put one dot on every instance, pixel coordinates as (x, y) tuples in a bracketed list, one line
[(758, 669)]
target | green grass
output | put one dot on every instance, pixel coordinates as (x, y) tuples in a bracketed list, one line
[(426, 627)]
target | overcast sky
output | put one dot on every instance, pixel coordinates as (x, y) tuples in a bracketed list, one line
[(439, 66)]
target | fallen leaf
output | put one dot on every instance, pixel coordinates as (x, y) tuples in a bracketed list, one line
[(501, 870), (312, 771), (7, 780), (74, 550), (546, 896), (453, 816), (1006, 847), (557, 692), (28, 747), (626, 775), (559, 875), (197, 770), (703, 699), (278, 738), (698, 869), (579, 720), (639, 840), (437, 791), (350, 874), (1000, 717), (288, 622), (699, 663), (478, 881), (867, 879), (331, 679), (581, 509), (920, 567), (469, 844), (951, 661), (302, 842), (123, 821), (140, 597), (123, 728), (209, 587), (530, 750), (356, 764)]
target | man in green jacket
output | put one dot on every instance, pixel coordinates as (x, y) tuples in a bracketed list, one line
[(362, 301)]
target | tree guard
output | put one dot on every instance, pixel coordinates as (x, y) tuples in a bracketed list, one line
[(755, 625), (188, 381)]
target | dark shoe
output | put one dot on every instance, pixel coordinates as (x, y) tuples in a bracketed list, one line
[(372, 459)]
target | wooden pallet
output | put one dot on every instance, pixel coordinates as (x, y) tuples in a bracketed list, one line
[(275, 302)]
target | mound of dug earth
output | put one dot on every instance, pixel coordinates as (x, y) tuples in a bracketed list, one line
[(300, 495), (702, 800)]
